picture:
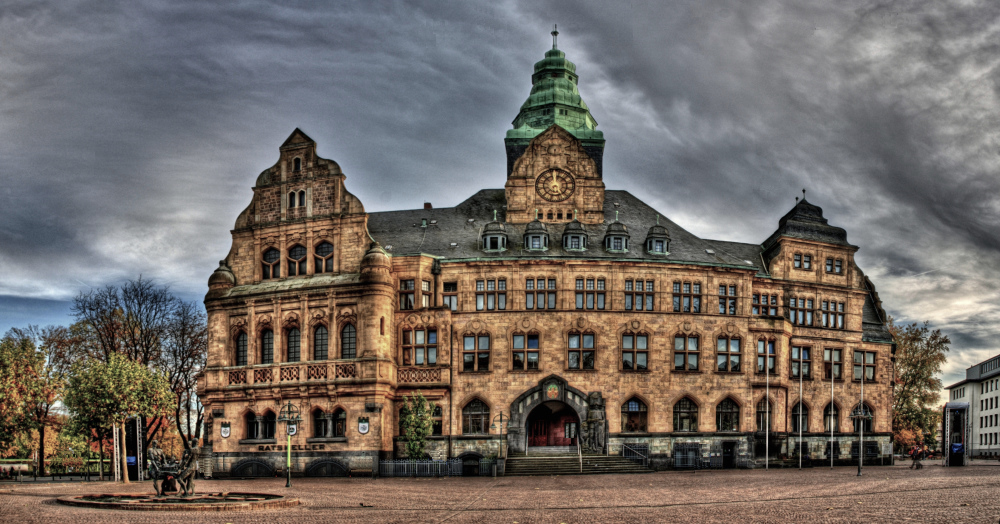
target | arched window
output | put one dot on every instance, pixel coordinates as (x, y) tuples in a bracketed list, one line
[(727, 416), (241, 349), (831, 418), (297, 164), (581, 351), (866, 410), (348, 341), (270, 268), (685, 415), (252, 427), (302, 198), (324, 258), (321, 341), (634, 416), (339, 428), (267, 347), (291, 199), (475, 418), (765, 415), (293, 345), (800, 412), (296, 261), (267, 426)]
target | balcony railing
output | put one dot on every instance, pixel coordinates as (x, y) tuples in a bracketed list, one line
[(290, 373), (418, 375)]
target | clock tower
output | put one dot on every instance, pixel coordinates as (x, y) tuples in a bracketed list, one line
[(554, 151)]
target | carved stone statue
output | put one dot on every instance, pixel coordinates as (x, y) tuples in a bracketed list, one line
[(594, 439), (189, 467)]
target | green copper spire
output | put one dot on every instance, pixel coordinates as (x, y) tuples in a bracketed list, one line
[(554, 99)]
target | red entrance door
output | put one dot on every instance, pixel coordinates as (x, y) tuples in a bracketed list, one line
[(538, 433)]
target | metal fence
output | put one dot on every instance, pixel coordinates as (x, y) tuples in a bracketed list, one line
[(636, 452), (437, 468), (687, 456)]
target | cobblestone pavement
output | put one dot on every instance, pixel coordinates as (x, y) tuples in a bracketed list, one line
[(883, 494)]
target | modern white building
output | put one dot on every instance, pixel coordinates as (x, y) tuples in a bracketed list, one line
[(981, 389)]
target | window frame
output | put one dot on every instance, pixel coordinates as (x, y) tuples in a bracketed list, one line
[(267, 346), (241, 345), (766, 304), (293, 341), (728, 299), (491, 294), (687, 353), (353, 346), (769, 349), (522, 350), (800, 311), (316, 342), (634, 421), (687, 297), (629, 345), (477, 352), (641, 293), (270, 269), (804, 361), (794, 413), (414, 353), (322, 263), (532, 293), (590, 297), (581, 350), (449, 295), (864, 365), (681, 413), (830, 364), (728, 420), (407, 294), (764, 418), (479, 418), (726, 351)]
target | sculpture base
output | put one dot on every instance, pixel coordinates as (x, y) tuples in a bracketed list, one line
[(225, 501)]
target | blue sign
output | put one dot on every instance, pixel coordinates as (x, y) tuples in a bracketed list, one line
[(130, 460)]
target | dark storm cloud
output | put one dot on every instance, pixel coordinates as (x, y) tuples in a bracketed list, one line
[(132, 132)]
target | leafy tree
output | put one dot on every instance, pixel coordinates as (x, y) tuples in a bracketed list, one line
[(102, 393), (415, 424), (53, 343), (920, 354), (21, 367)]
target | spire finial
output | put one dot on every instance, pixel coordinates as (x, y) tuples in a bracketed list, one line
[(796, 200), (657, 219), (616, 215), (803, 194), (574, 214), (494, 215), (555, 33)]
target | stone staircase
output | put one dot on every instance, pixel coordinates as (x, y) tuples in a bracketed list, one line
[(559, 461)]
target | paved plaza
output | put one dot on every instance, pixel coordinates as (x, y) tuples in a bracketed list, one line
[(883, 494)]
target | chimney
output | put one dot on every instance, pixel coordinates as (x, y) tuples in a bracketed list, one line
[(427, 205)]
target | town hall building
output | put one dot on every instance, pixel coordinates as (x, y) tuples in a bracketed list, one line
[(587, 318)]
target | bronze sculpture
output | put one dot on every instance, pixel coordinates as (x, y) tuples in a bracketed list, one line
[(161, 467), (189, 468)]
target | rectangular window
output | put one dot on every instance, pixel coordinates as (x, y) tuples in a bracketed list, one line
[(685, 353), (406, 295), (833, 364), (535, 296), (765, 350), (832, 314), (581, 351), (476, 353), (728, 355), (635, 352), (806, 262), (491, 295), (797, 263), (687, 297), (838, 267), (829, 265), (864, 363), (800, 311), (525, 352), (727, 300), (419, 347), (639, 295), (801, 362), (450, 296)]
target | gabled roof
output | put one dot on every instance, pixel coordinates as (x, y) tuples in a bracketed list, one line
[(403, 232), (297, 139)]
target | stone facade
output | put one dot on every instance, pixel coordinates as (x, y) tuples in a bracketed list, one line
[(433, 309)]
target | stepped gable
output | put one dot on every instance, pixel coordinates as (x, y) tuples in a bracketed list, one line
[(400, 233)]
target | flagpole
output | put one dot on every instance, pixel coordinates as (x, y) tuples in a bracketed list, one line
[(767, 399), (800, 407), (833, 421)]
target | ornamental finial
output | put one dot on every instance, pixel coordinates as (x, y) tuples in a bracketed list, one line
[(657, 219), (555, 33), (616, 215), (494, 215)]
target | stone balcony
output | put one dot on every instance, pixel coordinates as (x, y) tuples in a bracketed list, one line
[(423, 376), (348, 371)]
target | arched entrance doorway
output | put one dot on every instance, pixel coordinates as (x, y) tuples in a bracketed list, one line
[(553, 423)]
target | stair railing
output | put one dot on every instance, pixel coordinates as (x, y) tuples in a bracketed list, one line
[(579, 453), (636, 453)]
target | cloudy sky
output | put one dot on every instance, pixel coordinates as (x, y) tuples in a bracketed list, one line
[(131, 132)]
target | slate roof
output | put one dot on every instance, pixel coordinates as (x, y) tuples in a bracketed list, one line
[(403, 232)]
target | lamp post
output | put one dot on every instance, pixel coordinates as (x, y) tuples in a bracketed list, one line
[(493, 426), (860, 416), (290, 416)]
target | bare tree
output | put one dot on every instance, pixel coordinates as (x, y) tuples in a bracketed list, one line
[(184, 353), (132, 319)]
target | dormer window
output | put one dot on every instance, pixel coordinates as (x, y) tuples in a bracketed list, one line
[(657, 240), (616, 238), (536, 242), (656, 247), (494, 237)]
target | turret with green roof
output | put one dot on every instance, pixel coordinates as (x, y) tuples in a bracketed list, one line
[(554, 99)]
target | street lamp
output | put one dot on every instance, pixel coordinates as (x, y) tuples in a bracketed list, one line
[(290, 416), (860, 415), (493, 426)]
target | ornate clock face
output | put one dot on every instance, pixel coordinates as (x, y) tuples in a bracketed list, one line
[(555, 186)]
